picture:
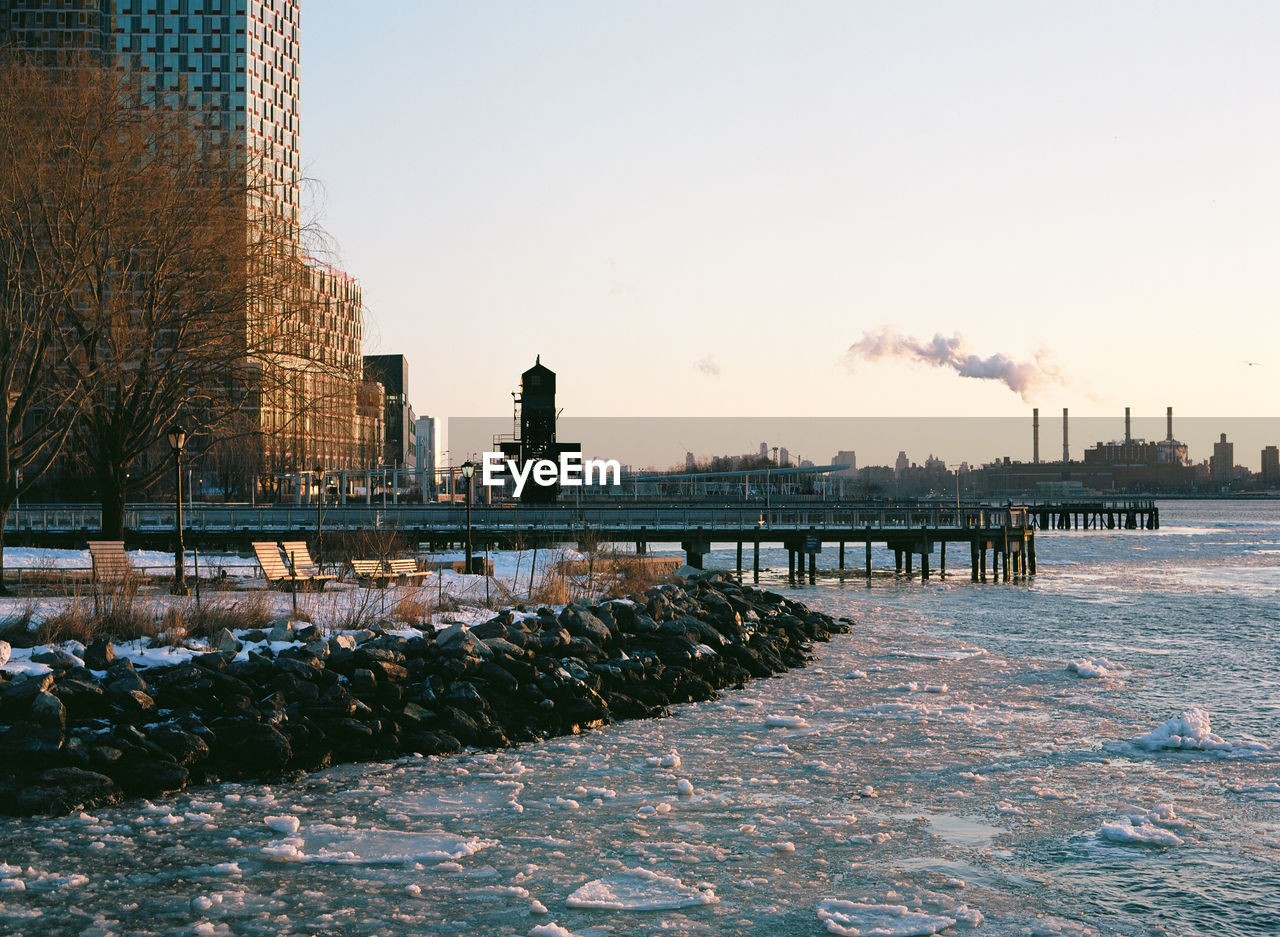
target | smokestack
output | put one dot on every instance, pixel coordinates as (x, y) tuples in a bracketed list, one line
[(1127, 437), (1168, 414), (1066, 453), (1035, 435)]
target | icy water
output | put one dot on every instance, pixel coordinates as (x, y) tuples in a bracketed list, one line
[(940, 769)]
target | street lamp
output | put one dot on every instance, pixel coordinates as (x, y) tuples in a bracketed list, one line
[(177, 439), (468, 470), (319, 473)]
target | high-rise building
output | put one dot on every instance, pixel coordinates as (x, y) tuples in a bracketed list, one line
[(234, 65), (392, 372), (1271, 465), (1222, 465), (427, 455)]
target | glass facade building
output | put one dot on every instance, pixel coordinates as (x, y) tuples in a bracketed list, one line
[(235, 64)]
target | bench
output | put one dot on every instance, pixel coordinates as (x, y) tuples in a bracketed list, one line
[(406, 570), (275, 564), (370, 573), (304, 567), (110, 564)]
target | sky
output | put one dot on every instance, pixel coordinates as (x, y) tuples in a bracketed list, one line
[(697, 208)]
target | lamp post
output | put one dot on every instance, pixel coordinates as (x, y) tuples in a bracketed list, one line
[(177, 439), (319, 473), (468, 470)]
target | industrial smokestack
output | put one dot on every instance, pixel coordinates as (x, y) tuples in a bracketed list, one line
[(1127, 436), (1035, 435), (1066, 452), (1169, 420)]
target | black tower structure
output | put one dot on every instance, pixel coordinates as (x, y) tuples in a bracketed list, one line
[(537, 439)]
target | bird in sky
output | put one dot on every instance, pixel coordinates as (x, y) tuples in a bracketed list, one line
[(1254, 364)]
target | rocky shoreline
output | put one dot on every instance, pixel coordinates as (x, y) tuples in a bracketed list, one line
[(97, 730)]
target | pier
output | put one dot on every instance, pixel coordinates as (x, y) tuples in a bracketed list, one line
[(1000, 541)]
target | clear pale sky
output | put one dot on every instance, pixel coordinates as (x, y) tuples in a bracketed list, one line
[(695, 208)]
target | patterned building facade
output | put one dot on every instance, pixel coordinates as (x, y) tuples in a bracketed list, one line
[(235, 63)]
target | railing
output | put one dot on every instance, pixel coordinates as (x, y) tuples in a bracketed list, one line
[(435, 517)]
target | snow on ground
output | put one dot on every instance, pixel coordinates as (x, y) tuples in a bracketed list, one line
[(442, 598)]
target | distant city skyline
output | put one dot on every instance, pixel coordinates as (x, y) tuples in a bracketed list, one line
[(698, 208)]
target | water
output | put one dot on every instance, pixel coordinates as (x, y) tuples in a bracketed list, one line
[(902, 770)]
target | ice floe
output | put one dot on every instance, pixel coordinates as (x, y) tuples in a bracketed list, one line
[(326, 843), (1192, 731), (855, 919), (1096, 668), (640, 890), (1152, 828)]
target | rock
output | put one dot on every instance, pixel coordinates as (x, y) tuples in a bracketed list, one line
[(58, 660), (100, 654), (133, 703), (281, 631), (63, 790), (81, 697), (580, 623), (23, 689), (261, 748), (185, 747), (342, 642), (48, 714), (223, 640), (6, 649)]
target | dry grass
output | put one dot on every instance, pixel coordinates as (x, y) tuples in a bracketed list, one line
[(19, 623), (413, 609), (252, 610), (117, 612)]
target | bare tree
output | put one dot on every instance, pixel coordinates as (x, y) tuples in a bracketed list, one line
[(42, 240)]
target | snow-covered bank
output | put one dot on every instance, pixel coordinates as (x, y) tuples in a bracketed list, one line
[(98, 723)]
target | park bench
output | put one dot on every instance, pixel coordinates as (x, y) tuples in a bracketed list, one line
[(370, 573), (111, 566), (276, 568), (406, 570), (304, 567)]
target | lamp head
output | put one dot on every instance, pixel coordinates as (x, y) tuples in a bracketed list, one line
[(177, 437), (468, 469)]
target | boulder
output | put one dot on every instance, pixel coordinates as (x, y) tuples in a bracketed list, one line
[(100, 654), (63, 790)]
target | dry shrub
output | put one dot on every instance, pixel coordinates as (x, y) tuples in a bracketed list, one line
[(19, 623), (251, 610), (367, 544), (632, 574), (119, 613), (413, 609)]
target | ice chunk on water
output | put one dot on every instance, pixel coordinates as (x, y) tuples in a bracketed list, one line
[(640, 890), (1191, 730), (786, 722), (855, 919), (287, 824), (1138, 831), (336, 844), (949, 656), (551, 930), (1096, 668)]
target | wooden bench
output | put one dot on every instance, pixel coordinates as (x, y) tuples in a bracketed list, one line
[(275, 563), (110, 564), (370, 573), (304, 567), (406, 570)]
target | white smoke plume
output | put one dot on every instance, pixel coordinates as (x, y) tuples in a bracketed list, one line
[(942, 351), (708, 366)]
